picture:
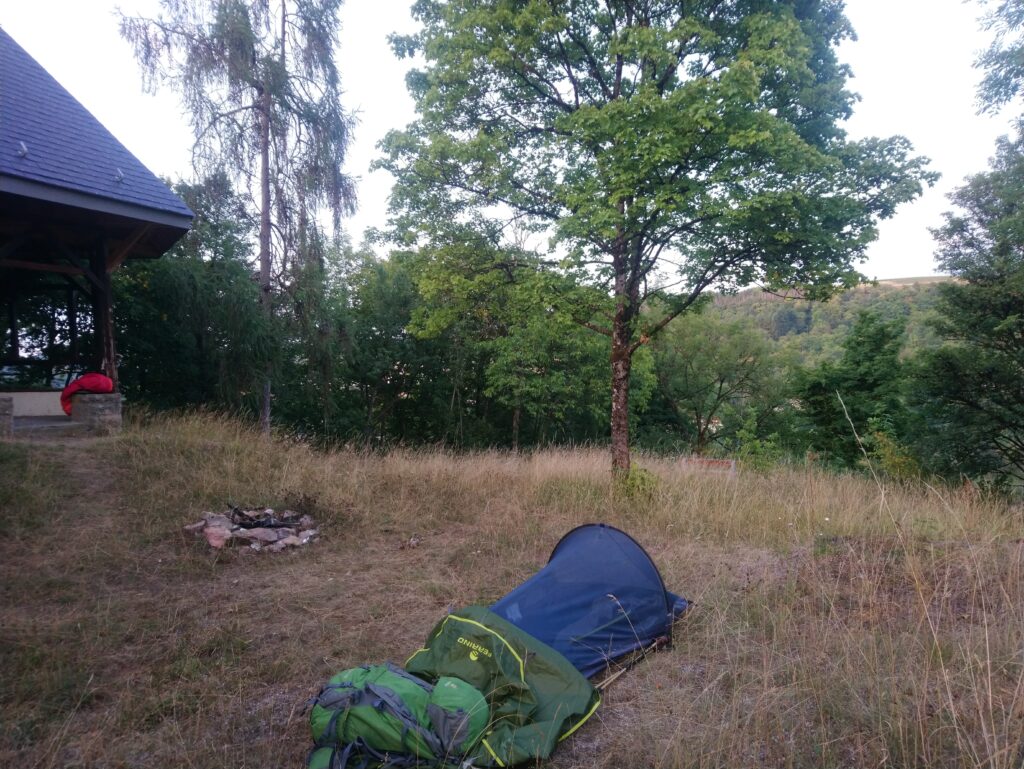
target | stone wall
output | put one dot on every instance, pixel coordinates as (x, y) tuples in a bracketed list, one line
[(6, 416), (37, 404), (100, 412)]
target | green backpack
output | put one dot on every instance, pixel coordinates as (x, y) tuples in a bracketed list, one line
[(382, 716)]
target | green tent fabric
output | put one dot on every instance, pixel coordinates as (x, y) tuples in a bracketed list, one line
[(536, 696)]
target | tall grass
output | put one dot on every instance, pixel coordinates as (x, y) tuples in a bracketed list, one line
[(838, 622)]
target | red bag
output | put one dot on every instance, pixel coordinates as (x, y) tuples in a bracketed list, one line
[(87, 383)]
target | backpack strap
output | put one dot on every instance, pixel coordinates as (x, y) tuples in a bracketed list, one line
[(398, 709)]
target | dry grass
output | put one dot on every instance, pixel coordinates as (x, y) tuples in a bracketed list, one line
[(838, 623)]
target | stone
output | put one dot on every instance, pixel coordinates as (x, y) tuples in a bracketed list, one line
[(281, 544), (267, 536), (217, 536), (222, 529), (101, 412), (216, 519)]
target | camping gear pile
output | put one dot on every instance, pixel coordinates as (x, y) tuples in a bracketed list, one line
[(260, 530), (502, 686)]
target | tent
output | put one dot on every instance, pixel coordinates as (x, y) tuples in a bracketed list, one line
[(599, 598), (528, 658)]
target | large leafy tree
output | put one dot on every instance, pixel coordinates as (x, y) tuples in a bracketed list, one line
[(260, 84), (667, 147), (972, 388)]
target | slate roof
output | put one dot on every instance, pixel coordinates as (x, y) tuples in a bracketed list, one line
[(52, 147)]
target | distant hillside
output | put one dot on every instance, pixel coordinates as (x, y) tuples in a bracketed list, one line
[(814, 331)]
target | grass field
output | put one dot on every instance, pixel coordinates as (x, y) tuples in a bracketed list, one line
[(839, 622)]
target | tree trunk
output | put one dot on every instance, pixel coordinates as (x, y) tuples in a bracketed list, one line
[(622, 361), (624, 261), (516, 416), (265, 295)]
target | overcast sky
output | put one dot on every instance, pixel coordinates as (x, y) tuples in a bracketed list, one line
[(912, 66)]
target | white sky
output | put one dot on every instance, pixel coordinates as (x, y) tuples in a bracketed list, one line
[(912, 66)]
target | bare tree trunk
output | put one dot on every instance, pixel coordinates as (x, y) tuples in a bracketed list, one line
[(265, 264), (516, 416)]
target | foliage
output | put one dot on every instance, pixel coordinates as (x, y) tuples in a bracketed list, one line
[(713, 372), (1003, 61), (540, 364), (235, 63), (757, 453), (189, 328), (839, 400), (887, 454), (972, 388), (813, 332), (263, 94), (645, 135), (636, 485), (39, 333)]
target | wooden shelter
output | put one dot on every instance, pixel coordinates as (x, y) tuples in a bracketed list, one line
[(74, 206)]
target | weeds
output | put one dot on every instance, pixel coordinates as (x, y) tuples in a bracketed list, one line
[(838, 622)]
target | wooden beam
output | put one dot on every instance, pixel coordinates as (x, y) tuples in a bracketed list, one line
[(94, 269), (75, 285), (116, 258), (21, 264)]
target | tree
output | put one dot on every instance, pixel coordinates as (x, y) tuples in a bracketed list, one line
[(864, 388), (972, 388), (263, 92), (190, 329), (1003, 61), (537, 363), (710, 371), (647, 138)]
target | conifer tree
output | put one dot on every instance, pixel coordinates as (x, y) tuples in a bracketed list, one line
[(262, 90)]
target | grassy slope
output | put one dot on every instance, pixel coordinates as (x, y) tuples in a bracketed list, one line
[(837, 624)]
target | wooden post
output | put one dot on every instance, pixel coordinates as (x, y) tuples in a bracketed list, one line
[(103, 315), (72, 332)]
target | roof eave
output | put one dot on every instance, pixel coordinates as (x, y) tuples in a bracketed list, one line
[(63, 196)]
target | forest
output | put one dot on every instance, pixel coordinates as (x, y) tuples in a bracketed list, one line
[(711, 260)]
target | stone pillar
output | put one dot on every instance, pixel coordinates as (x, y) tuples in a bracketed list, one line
[(100, 412), (6, 416)]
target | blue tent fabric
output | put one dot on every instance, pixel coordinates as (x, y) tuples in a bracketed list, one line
[(599, 597)]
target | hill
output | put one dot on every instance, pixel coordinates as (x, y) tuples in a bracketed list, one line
[(837, 623), (813, 331)]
